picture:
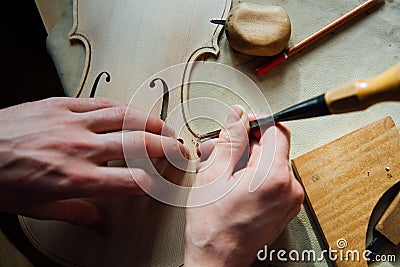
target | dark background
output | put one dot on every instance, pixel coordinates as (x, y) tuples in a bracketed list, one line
[(29, 72), (29, 75)]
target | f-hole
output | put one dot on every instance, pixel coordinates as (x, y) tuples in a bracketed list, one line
[(165, 101), (96, 82)]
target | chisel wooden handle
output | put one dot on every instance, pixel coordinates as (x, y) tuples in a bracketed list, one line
[(354, 96), (361, 94)]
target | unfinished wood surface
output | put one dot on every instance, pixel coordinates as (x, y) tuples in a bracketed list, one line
[(127, 42), (345, 179), (389, 224)]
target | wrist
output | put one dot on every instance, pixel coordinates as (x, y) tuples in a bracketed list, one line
[(219, 251), (195, 257)]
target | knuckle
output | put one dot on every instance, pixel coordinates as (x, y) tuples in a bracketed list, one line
[(112, 146), (298, 194), (56, 101), (79, 147), (281, 181), (158, 123), (102, 102), (238, 132), (224, 137), (75, 119), (68, 119), (139, 140), (230, 142), (83, 145), (130, 116), (54, 104), (120, 112), (281, 186), (73, 179), (82, 177)]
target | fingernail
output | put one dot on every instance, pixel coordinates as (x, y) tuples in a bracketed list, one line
[(185, 151), (234, 114)]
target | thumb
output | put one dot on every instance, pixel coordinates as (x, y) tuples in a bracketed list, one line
[(74, 211), (231, 144)]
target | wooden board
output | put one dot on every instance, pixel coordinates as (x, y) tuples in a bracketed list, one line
[(345, 179)]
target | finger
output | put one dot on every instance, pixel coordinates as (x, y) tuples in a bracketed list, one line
[(252, 142), (271, 153), (297, 198), (253, 117), (230, 145), (205, 149), (109, 181), (282, 141), (80, 105), (126, 118), (73, 211), (256, 132), (131, 145), (273, 146), (293, 197)]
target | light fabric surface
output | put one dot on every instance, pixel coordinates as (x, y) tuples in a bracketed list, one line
[(364, 47)]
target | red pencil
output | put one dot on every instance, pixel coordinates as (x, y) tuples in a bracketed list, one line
[(276, 60)]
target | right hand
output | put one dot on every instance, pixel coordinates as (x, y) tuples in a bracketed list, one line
[(230, 230), (56, 150)]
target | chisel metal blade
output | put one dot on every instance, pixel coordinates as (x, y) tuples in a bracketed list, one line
[(218, 21)]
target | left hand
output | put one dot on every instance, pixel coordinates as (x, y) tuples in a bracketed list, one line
[(54, 151)]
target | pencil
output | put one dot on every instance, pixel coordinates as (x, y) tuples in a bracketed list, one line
[(276, 60)]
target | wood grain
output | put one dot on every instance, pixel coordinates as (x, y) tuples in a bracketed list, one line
[(345, 179)]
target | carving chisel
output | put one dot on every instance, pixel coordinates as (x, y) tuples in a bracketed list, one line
[(354, 96)]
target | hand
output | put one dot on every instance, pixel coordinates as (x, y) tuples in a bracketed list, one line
[(230, 231), (55, 150)]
